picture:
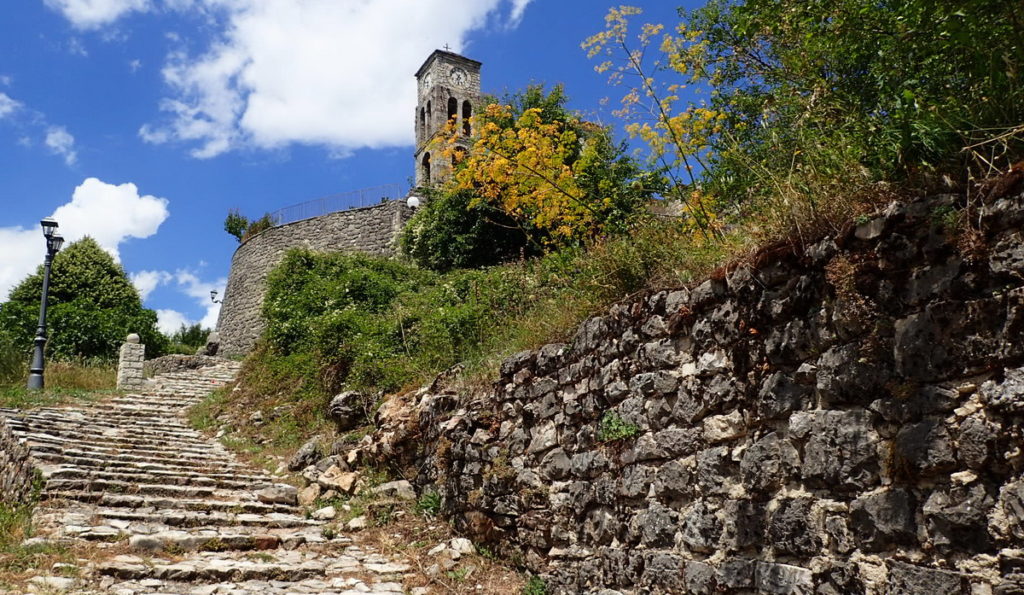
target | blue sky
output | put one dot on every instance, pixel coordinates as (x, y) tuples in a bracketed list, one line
[(142, 122)]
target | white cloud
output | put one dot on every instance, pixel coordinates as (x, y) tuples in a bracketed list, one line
[(318, 72), (199, 290), (169, 321), (60, 142), (135, 65), (189, 284), (147, 281), (77, 48), (109, 214), (518, 10), (92, 14), (7, 105), (23, 251)]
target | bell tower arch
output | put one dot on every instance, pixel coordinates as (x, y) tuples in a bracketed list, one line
[(448, 86)]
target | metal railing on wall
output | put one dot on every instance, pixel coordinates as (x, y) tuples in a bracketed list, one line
[(337, 202)]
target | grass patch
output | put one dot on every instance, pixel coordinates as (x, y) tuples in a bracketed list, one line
[(18, 561), (70, 381)]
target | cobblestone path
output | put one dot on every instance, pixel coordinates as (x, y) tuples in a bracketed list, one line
[(175, 510)]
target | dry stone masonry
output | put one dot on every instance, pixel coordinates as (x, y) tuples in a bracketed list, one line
[(371, 230), (844, 418), (176, 512), (16, 468)]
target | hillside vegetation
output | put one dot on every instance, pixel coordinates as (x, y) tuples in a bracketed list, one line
[(804, 115)]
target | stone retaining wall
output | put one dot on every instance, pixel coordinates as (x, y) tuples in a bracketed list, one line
[(16, 469), (372, 230), (845, 418), (178, 363)]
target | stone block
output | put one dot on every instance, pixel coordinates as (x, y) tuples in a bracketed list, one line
[(923, 449), (794, 529), (701, 578), (956, 518), (840, 449), (884, 519), (768, 463), (783, 579), (908, 579), (701, 528), (663, 571)]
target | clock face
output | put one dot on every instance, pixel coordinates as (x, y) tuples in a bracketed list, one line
[(459, 76), (427, 81)]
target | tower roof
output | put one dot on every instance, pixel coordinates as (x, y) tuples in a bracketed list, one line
[(449, 56)]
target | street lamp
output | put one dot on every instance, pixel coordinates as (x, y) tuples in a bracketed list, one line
[(213, 296), (53, 243)]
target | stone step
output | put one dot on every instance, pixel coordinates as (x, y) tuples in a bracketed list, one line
[(211, 539), (121, 453), (125, 462), (340, 585), (176, 477), (164, 430), (192, 519), (126, 487), (76, 430), (155, 502), (117, 444), (214, 571), (125, 419)]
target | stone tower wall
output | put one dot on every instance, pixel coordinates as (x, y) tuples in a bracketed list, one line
[(437, 94), (373, 230)]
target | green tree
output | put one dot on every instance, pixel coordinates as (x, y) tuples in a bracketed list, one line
[(189, 338), (243, 228), (453, 231), (236, 224), (92, 308)]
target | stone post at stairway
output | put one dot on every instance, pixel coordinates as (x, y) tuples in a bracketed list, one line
[(129, 366)]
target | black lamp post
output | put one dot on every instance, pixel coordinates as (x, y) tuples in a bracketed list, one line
[(53, 243)]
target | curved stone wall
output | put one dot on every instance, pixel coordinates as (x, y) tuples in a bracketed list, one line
[(372, 230)]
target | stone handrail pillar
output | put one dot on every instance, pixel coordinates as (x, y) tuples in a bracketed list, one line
[(129, 365)]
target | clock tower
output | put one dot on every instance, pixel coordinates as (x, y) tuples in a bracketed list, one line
[(448, 90)]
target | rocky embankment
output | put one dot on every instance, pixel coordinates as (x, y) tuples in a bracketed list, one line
[(840, 418)]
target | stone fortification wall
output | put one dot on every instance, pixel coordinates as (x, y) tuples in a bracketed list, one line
[(369, 229), (845, 418), (16, 470)]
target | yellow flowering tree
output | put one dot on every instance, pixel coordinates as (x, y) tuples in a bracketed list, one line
[(552, 172), (678, 134)]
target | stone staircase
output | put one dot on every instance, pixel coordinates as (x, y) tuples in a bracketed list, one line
[(174, 511)]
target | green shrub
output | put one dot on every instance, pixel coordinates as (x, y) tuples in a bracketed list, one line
[(613, 427), (242, 228), (429, 503), (14, 362), (535, 586)]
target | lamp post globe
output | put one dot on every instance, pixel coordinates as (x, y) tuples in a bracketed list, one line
[(54, 241)]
